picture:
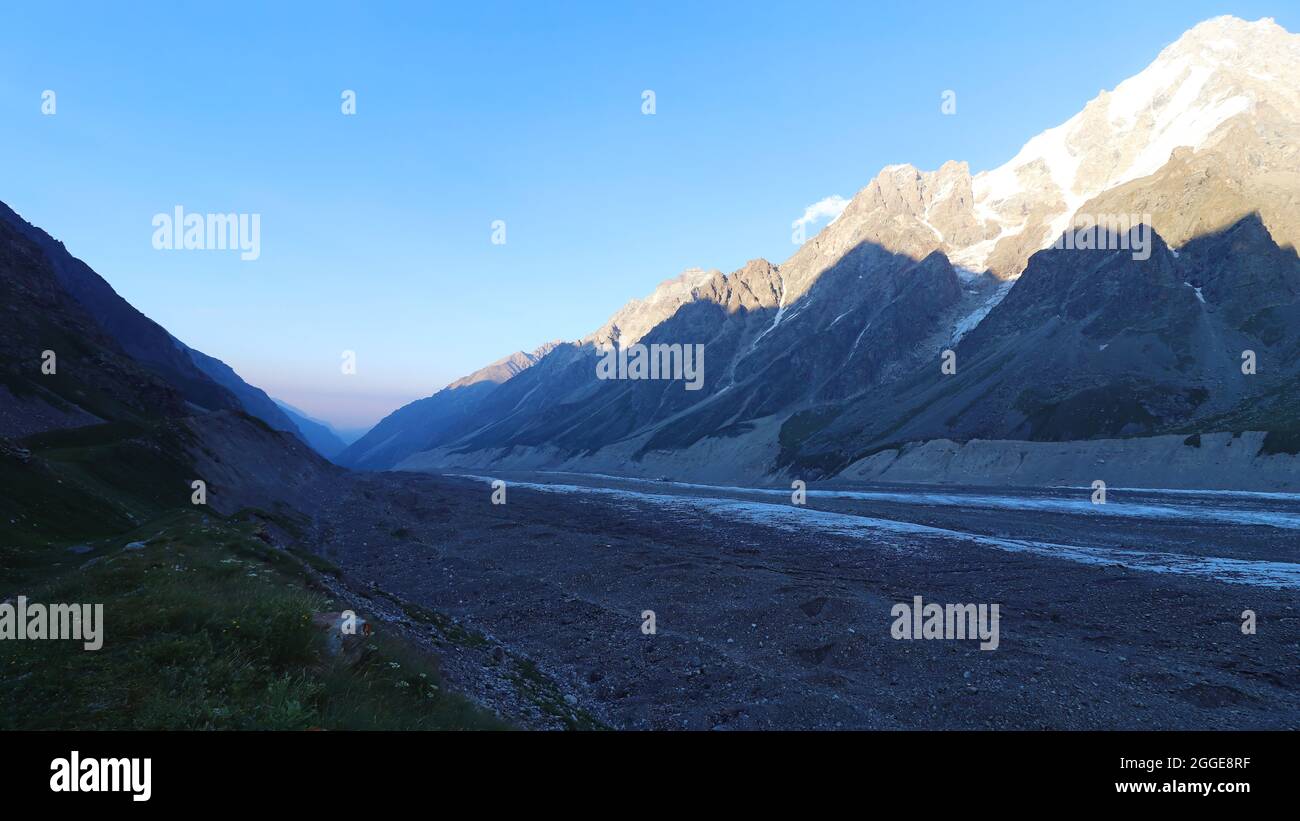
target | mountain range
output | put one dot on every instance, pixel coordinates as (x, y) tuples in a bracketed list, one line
[(1119, 301), (835, 357), (945, 323)]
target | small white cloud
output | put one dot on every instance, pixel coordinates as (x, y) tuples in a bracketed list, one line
[(831, 206)]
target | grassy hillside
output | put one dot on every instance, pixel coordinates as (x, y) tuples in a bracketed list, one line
[(206, 624)]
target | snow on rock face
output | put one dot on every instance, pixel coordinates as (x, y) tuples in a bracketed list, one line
[(1216, 71), (967, 323), (995, 220), (1222, 100)]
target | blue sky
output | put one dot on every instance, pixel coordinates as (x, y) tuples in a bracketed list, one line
[(376, 228)]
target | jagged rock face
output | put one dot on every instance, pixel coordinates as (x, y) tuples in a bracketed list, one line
[(1254, 167), (841, 341), (764, 354), (562, 403), (635, 319), (906, 211), (1098, 344), (505, 368), (1212, 88), (1220, 73)]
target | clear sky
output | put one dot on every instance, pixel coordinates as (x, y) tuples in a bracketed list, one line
[(376, 228)]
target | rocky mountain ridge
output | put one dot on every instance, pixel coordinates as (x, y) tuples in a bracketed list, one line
[(833, 352)]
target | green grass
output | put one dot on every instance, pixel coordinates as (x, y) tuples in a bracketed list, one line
[(142, 471), (208, 627), (38, 505), (88, 483)]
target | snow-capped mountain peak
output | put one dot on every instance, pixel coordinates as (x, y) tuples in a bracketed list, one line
[(995, 220), (1216, 71)]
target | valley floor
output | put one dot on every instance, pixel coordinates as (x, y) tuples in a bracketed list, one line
[(768, 615)]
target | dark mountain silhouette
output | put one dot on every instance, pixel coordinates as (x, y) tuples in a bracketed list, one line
[(94, 395), (202, 380), (323, 438)]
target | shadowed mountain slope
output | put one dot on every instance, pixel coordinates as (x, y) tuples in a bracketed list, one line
[(836, 351)]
